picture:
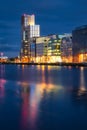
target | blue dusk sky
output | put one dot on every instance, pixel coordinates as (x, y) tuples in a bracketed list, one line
[(54, 17)]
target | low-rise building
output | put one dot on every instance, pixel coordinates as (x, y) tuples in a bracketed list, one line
[(46, 49)]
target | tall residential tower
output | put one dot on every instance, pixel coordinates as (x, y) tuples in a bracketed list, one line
[(29, 30)]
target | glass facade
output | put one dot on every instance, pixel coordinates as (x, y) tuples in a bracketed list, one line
[(54, 45), (29, 30), (66, 48), (79, 38), (48, 49), (28, 20), (34, 31), (25, 42)]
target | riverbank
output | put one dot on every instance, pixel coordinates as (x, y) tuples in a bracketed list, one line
[(52, 64)]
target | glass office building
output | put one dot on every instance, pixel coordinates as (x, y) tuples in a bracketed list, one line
[(66, 48), (47, 49), (79, 38)]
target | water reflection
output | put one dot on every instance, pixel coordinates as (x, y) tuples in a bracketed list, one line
[(2, 81), (2, 90), (79, 92), (25, 106), (82, 90), (2, 70), (32, 95), (48, 67), (40, 97), (30, 105)]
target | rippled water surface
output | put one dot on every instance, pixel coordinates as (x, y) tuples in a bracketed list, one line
[(43, 98)]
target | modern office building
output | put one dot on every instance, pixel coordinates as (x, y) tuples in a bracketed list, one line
[(46, 49), (41, 49), (38, 48), (54, 48), (66, 48), (29, 30), (79, 39)]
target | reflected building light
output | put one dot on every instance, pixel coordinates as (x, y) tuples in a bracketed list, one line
[(31, 101), (39, 67), (70, 67), (43, 67), (23, 66), (25, 94), (2, 81), (30, 104), (35, 98), (49, 67), (2, 85), (48, 87), (25, 87), (25, 110), (82, 89), (2, 70)]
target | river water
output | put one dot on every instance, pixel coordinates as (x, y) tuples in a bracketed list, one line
[(43, 97)]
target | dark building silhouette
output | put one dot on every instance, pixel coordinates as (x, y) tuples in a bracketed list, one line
[(79, 39)]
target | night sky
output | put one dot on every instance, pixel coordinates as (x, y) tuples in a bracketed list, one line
[(54, 17)]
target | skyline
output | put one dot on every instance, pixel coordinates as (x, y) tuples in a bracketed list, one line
[(55, 17)]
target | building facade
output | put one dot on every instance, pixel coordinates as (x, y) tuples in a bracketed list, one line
[(79, 39), (29, 30), (54, 48), (66, 48), (46, 49)]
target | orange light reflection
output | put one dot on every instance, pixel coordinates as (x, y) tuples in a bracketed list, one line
[(82, 89)]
